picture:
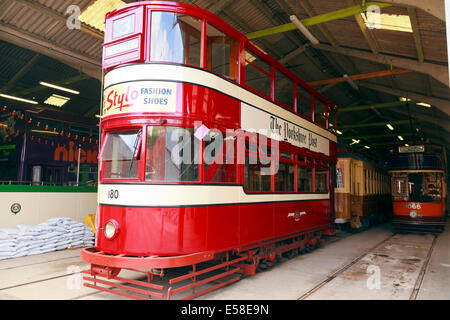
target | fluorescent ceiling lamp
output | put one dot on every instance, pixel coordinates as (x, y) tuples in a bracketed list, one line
[(338, 132), (390, 126), (94, 15), (355, 141), (403, 99), (17, 98), (367, 147), (385, 21), (406, 145), (424, 104), (304, 30), (54, 86), (351, 82), (56, 100), (400, 137)]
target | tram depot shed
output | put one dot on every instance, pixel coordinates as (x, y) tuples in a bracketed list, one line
[(384, 64)]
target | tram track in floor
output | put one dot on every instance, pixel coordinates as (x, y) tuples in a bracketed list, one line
[(343, 269), (423, 270), (418, 282)]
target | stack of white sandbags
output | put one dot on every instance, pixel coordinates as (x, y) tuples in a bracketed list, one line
[(51, 235)]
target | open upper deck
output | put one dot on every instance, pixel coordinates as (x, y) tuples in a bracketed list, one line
[(169, 32)]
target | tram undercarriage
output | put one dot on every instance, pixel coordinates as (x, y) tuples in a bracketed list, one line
[(190, 276)]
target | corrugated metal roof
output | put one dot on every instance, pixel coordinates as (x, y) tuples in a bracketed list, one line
[(94, 15)]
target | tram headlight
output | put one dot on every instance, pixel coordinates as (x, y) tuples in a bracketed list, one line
[(413, 214), (111, 229)]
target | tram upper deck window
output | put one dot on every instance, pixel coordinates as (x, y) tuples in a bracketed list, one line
[(304, 102), (221, 53), (123, 38), (123, 26), (175, 38), (172, 154), (332, 123), (257, 74), (284, 89), (320, 116), (120, 154)]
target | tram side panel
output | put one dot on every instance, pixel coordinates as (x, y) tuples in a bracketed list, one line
[(342, 192), (360, 196)]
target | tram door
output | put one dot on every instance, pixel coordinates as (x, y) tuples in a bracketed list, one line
[(356, 194)]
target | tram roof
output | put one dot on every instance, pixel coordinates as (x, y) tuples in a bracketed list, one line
[(36, 44)]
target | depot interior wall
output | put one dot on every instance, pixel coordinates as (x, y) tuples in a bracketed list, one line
[(37, 207)]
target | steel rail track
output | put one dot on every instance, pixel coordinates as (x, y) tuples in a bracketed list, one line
[(342, 269)]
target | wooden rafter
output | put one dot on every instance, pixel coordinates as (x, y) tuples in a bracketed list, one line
[(20, 73), (437, 71), (361, 76), (368, 35), (416, 33)]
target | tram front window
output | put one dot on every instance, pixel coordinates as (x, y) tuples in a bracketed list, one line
[(417, 187), (424, 187), (120, 154), (172, 154)]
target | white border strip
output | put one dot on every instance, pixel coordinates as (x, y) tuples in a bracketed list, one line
[(151, 195), (179, 73)]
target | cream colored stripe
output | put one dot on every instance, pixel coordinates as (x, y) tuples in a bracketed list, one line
[(167, 72), (188, 195)]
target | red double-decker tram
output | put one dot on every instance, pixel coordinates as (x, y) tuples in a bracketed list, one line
[(419, 187), (214, 157)]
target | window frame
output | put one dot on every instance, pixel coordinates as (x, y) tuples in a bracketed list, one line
[(140, 157)]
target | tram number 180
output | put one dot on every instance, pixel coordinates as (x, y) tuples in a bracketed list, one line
[(113, 194)]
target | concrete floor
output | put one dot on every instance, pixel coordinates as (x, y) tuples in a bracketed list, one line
[(387, 267)]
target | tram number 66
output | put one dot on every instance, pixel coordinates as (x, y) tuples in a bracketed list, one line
[(113, 194)]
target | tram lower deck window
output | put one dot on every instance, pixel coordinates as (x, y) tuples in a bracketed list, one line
[(219, 158), (119, 155), (321, 180), (305, 178), (255, 177), (172, 154), (284, 178)]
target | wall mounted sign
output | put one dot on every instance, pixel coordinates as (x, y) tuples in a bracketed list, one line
[(15, 208)]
